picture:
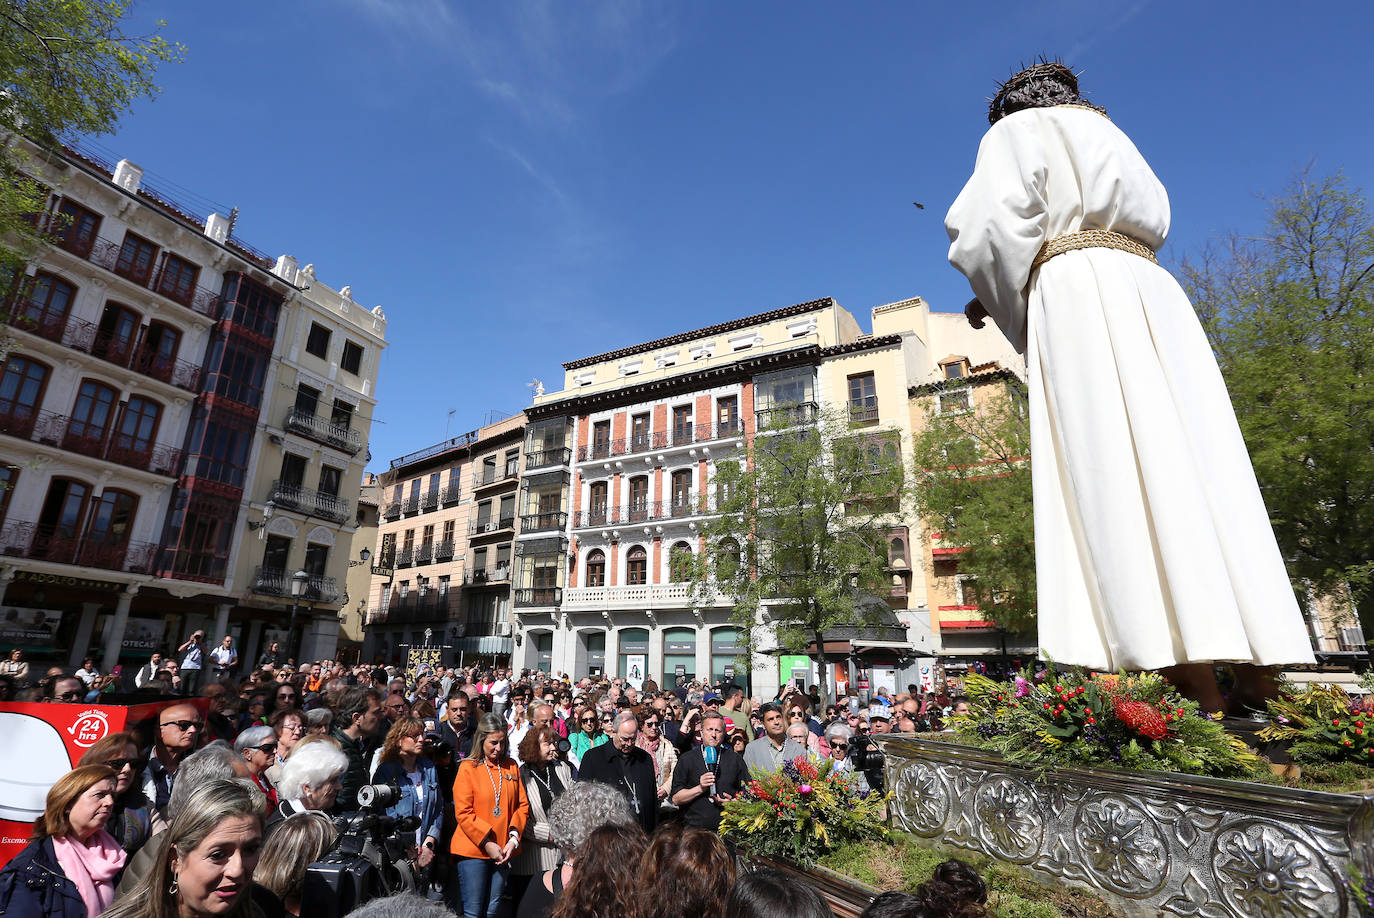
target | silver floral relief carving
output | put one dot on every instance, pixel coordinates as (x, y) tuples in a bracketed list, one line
[(1122, 845), (1010, 819), (923, 799), (1266, 871)]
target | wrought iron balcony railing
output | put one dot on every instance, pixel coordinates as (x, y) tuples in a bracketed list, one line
[(106, 252), (85, 439), (683, 435), (681, 506), (309, 501), (42, 542), (538, 596), (323, 430), (486, 527), (547, 457), (787, 415), (543, 522)]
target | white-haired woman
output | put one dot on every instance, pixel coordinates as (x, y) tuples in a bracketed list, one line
[(205, 866), (310, 779), (258, 747), (582, 809), (838, 737)]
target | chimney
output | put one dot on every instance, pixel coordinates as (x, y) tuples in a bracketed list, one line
[(217, 227), (286, 268), (128, 176)]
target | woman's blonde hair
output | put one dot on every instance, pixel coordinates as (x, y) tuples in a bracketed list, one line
[(207, 806), (63, 796), (406, 726), (294, 845), (487, 724)]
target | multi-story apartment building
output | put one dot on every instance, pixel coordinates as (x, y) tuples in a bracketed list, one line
[(618, 472), (444, 554), (353, 608), (139, 349)]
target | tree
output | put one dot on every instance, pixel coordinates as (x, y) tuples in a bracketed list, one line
[(1289, 316), (972, 484), (67, 68), (802, 529)]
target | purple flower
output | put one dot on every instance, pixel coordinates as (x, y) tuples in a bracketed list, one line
[(1023, 688)]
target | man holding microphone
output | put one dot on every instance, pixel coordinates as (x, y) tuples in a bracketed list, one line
[(707, 776)]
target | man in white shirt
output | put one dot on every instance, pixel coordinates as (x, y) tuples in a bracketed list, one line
[(224, 657), (500, 692), (147, 671)]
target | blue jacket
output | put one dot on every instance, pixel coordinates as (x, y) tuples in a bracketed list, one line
[(431, 812), (34, 886)]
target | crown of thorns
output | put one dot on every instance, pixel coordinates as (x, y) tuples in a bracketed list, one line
[(1042, 84)]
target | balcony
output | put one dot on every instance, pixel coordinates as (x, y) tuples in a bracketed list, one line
[(680, 507), (543, 522), (271, 581), (787, 415), (425, 553), (392, 511), (452, 494), (862, 412), (105, 253), (685, 435), (486, 477), (642, 596), (444, 550), (538, 596), (495, 573), (488, 527), (89, 339), (79, 437), (430, 606), (308, 501), (547, 458), (48, 543), (339, 436), (412, 504), (430, 500), (405, 557)]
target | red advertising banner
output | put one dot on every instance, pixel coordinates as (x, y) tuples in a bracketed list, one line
[(39, 743)]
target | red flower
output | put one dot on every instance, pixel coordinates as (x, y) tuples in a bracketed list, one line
[(1142, 717)]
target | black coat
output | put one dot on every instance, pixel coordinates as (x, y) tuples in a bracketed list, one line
[(703, 812), (34, 886), (632, 775)]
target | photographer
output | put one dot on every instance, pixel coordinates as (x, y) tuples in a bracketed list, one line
[(404, 765)]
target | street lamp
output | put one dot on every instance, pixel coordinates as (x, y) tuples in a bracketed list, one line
[(364, 556), (298, 582)]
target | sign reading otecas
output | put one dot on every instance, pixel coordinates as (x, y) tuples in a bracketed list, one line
[(42, 742)]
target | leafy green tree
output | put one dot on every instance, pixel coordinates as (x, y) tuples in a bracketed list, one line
[(800, 541), (972, 484), (67, 68), (1289, 315)]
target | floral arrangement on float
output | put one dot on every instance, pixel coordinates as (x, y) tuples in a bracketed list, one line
[(1056, 719), (802, 812), (1330, 738)]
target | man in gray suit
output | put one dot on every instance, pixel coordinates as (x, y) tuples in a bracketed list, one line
[(770, 751)]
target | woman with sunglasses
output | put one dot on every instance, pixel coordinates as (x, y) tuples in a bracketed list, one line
[(405, 765), (738, 740), (588, 735), (660, 750), (133, 818), (291, 727), (838, 738), (258, 746)]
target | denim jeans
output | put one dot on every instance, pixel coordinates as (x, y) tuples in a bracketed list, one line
[(481, 883)]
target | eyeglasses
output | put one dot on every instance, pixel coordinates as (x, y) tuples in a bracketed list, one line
[(839, 745), (588, 720), (651, 723), (73, 695), (795, 714), (119, 764), (293, 728), (183, 725), (269, 748)]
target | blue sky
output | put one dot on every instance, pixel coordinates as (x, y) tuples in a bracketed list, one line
[(524, 183)]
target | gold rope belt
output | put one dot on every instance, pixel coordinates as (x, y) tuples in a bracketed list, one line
[(1092, 239)]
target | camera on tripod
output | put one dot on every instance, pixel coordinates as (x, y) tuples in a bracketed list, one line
[(868, 758), (370, 859)]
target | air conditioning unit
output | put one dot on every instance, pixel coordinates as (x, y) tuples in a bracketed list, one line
[(503, 629)]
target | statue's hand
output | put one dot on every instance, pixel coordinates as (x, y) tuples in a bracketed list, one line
[(975, 312)]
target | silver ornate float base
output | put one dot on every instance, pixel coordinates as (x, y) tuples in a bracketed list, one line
[(1149, 843)]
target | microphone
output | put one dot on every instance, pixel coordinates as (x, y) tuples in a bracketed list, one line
[(711, 756)]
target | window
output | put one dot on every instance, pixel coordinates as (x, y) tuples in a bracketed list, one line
[(601, 439), (136, 258), (116, 334), (408, 541), (330, 479), (9, 477), (443, 585), (639, 432), (955, 400), (292, 470), (351, 361), (236, 371), (512, 463), (307, 400), (45, 310), (59, 522), (682, 492), (596, 505), (111, 518), (957, 368), (137, 427), (342, 415), (863, 398), (727, 416), (219, 448), (680, 562), (596, 568), (316, 560), (76, 227), (90, 416), (21, 393), (158, 354), (727, 559), (682, 424), (317, 342), (896, 553), (178, 279), (637, 566), (639, 499), (251, 305)]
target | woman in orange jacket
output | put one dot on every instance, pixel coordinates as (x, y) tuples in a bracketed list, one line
[(491, 808)]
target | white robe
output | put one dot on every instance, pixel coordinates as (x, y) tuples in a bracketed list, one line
[(1153, 546)]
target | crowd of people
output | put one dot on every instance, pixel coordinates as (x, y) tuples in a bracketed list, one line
[(519, 794)]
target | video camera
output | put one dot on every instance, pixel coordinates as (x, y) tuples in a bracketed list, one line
[(868, 758), (369, 860)]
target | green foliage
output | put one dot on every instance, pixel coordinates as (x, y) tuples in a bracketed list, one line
[(801, 812), (972, 483), (801, 528), (67, 68), (1325, 733), (1089, 719), (1289, 316)]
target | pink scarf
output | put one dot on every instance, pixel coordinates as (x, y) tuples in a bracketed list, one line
[(92, 865), (652, 749)]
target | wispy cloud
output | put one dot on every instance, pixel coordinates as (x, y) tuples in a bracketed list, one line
[(1104, 29), (541, 59), (539, 175)]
